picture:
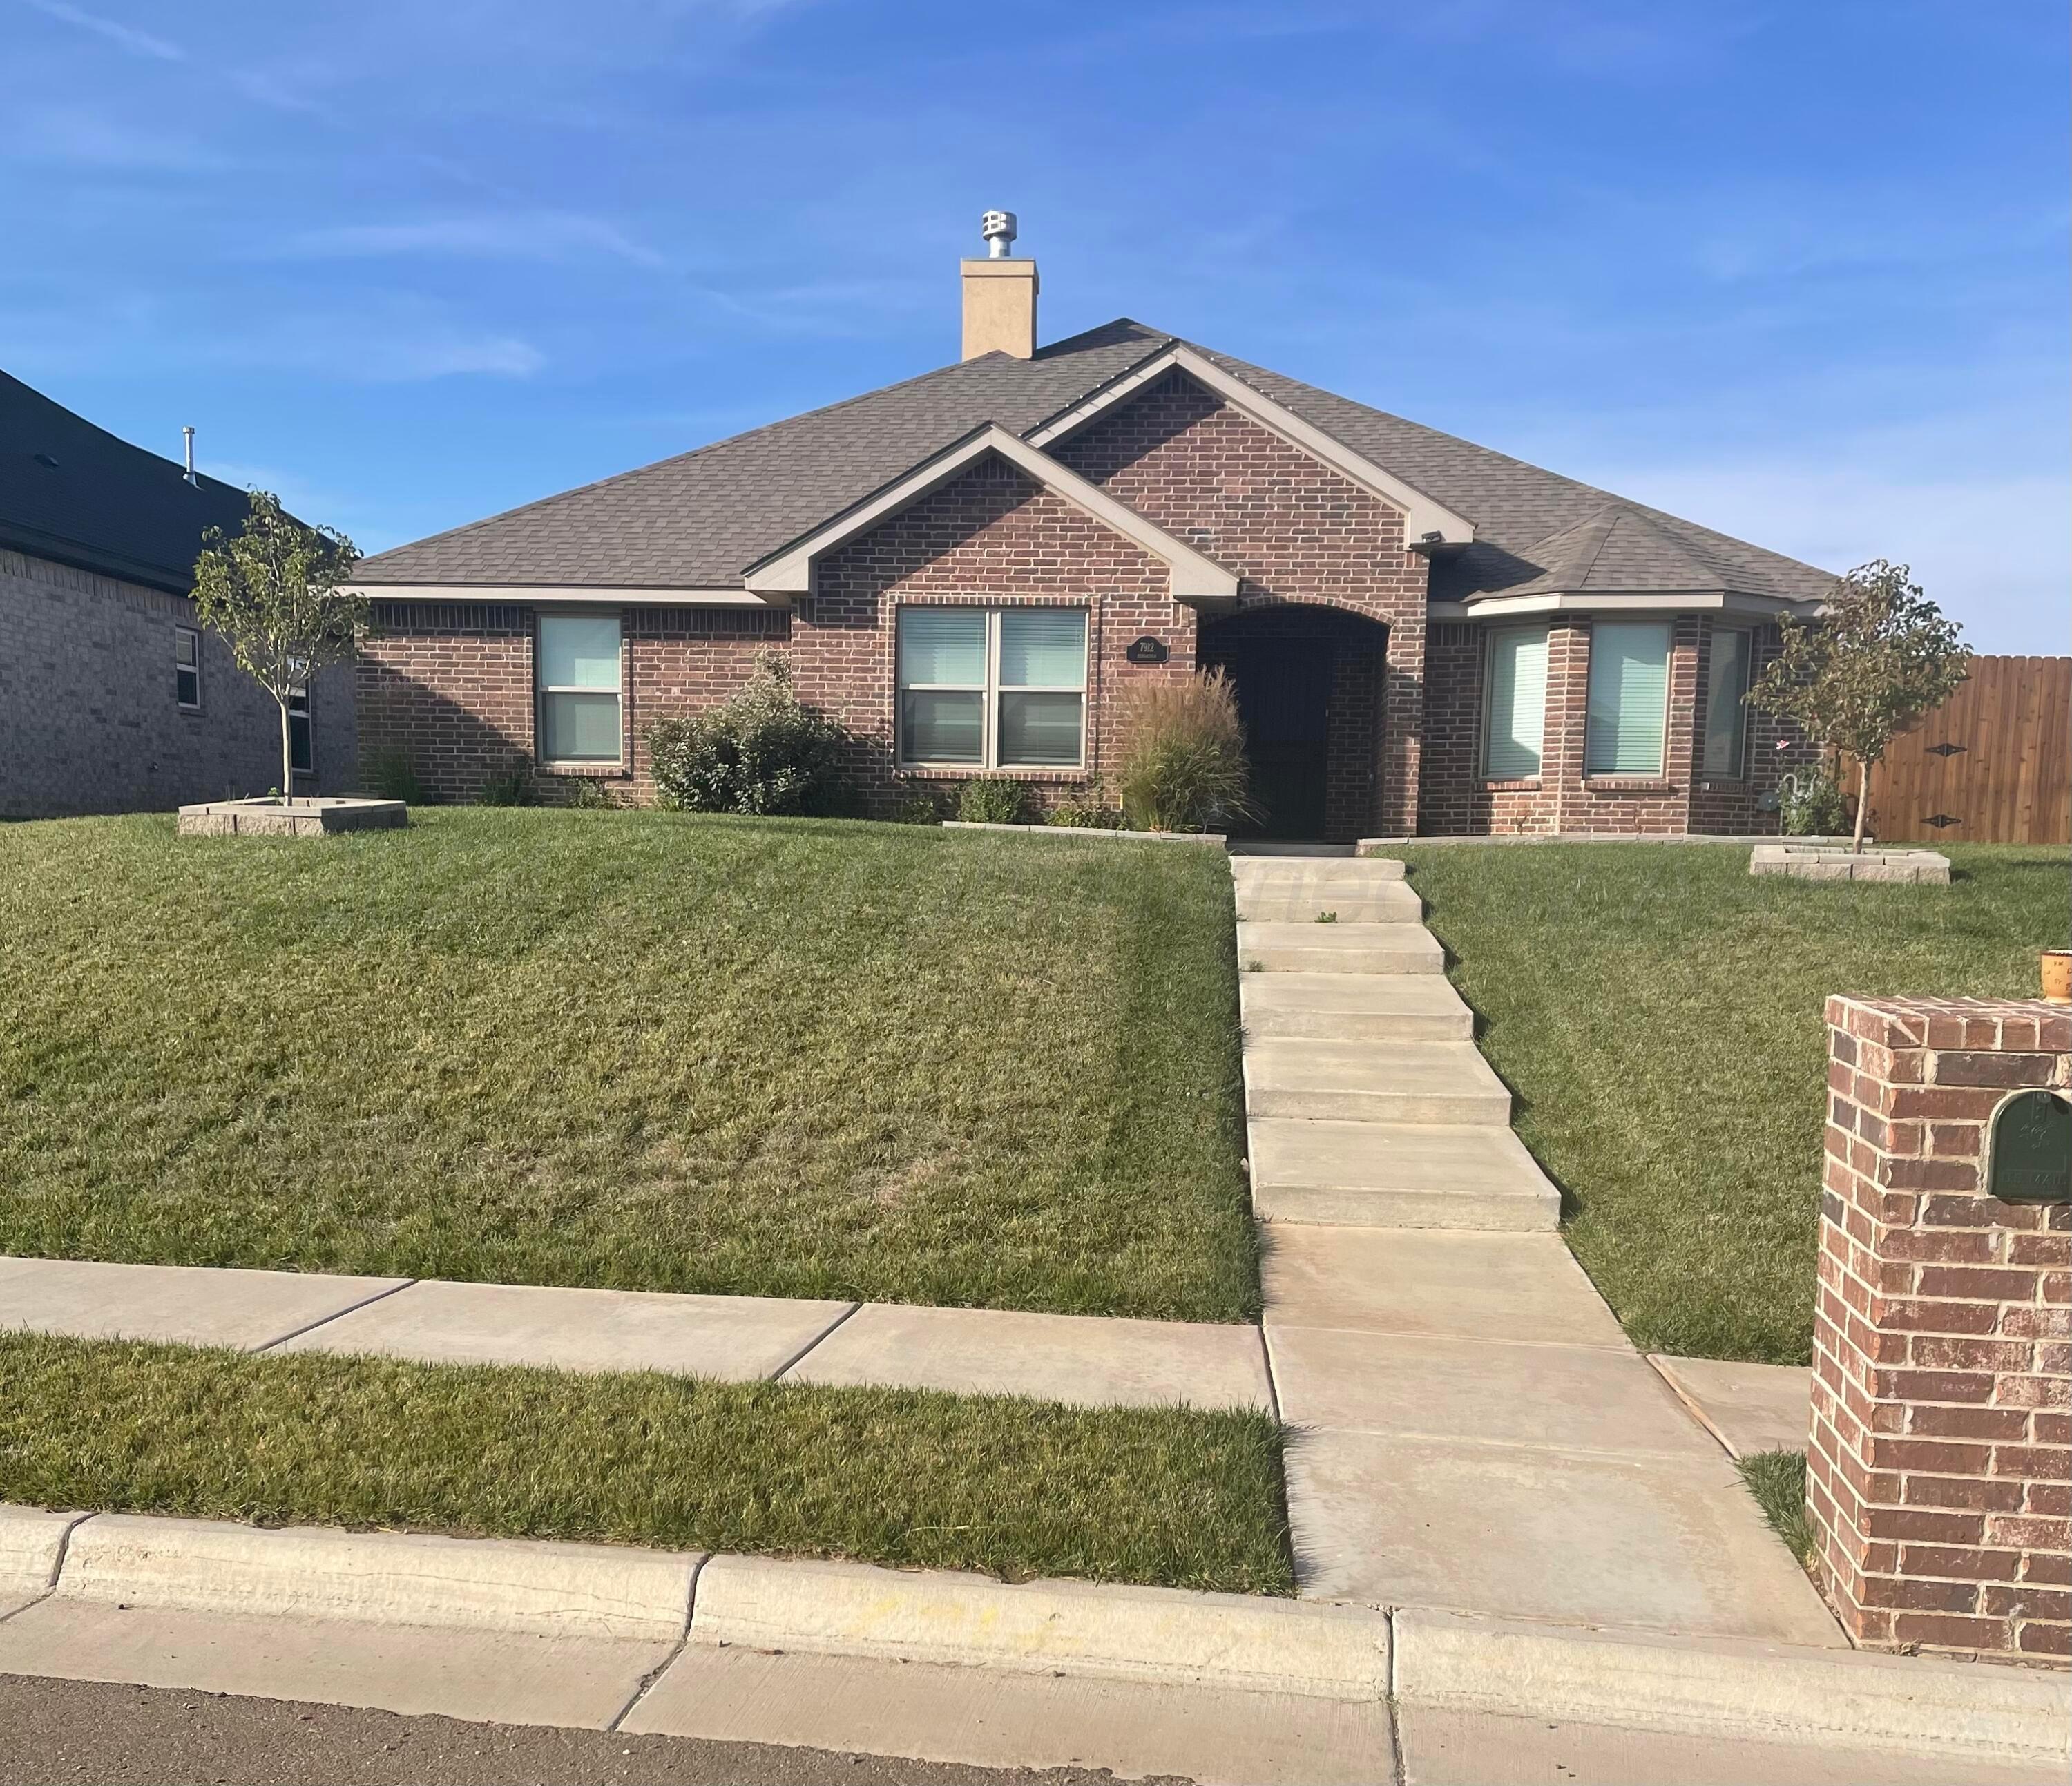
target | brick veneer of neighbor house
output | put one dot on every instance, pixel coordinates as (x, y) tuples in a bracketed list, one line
[(90, 720), (1458, 800), (1937, 1479)]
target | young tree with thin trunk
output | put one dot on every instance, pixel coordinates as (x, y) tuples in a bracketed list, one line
[(1880, 656), (272, 593)]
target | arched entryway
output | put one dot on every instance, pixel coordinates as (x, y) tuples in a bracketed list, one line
[(1309, 685)]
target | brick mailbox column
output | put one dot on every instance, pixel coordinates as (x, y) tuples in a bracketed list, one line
[(1937, 1476)]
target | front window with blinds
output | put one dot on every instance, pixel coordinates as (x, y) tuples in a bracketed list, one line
[(1726, 705), (1629, 710), (578, 659), (992, 687), (1515, 704)]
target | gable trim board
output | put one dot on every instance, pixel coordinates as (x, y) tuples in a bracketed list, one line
[(562, 594), (1722, 602), (789, 570)]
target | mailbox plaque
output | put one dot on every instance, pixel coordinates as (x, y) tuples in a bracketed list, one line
[(1148, 649), (2028, 1148)]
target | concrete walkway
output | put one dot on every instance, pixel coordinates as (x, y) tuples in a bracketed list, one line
[(1083, 1360), (1474, 1432)]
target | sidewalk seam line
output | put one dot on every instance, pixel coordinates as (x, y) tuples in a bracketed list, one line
[(647, 1682), (800, 1356), (1624, 1350), (1635, 1455), (1272, 1387), (57, 1568), (336, 1315)]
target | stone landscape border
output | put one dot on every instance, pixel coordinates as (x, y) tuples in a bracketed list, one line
[(631, 1615), (324, 815), (1806, 861)]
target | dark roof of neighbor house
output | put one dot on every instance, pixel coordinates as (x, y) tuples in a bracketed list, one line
[(698, 520), (74, 493)]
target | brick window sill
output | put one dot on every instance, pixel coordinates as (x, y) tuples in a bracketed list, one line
[(1059, 776), (1628, 784), (592, 772), (1531, 785)]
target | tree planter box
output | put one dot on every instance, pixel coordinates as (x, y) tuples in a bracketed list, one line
[(1215, 838), (1833, 862), (322, 817)]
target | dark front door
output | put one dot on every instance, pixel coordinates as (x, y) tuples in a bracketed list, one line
[(1284, 693)]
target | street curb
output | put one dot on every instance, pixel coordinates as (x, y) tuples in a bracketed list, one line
[(1164, 1634), (32, 1544), (496, 1585), (1719, 1688)]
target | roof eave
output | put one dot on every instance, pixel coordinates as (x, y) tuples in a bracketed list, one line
[(1497, 604)]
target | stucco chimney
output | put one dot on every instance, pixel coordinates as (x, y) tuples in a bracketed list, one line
[(1000, 295)]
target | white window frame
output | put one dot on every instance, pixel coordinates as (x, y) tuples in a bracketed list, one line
[(1490, 640), (1739, 771), (298, 706), (991, 691), (1668, 628), (541, 690), (193, 633)]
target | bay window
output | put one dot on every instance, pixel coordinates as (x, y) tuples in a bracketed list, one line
[(1629, 705), (992, 688), (1726, 705), (1515, 704), (579, 688)]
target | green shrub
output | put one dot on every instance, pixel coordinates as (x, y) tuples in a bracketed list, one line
[(390, 775), (993, 800), (1810, 805), (918, 805), (511, 785), (761, 751), (1183, 762), (1089, 809), (589, 794)]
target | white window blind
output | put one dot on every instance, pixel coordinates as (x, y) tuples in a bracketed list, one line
[(1628, 697), (1726, 709), (993, 689), (1515, 704), (579, 688)]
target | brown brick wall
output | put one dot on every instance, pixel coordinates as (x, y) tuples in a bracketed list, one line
[(89, 718), (1939, 1476), (992, 535), (450, 685), (1293, 530)]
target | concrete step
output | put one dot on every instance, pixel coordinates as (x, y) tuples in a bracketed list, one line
[(1373, 1081), (1383, 902), (1333, 869), (1398, 1175), (1355, 1007), (1285, 948)]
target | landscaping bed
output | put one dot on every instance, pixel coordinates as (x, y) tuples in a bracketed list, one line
[(634, 1049), (1657, 1012), (1016, 1489)]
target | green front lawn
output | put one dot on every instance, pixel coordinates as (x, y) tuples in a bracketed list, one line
[(635, 1050), (1169, 1497), (1658, 1011)]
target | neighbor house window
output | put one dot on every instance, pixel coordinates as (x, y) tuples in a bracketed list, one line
[(1726, 705), (302, 743), (187, 667), (1629, 709), (992, 687), (579, 688), (1515, 704)]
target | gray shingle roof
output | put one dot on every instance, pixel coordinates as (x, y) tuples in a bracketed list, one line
[(72, 492), (697, 520)]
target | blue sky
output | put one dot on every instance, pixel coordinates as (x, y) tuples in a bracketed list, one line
[(1796, 269)]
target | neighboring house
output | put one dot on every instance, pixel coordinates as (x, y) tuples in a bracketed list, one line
[(111, 698), (967, 570)]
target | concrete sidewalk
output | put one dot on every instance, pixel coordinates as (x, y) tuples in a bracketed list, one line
[(1083, 1360), (1472, 1430)]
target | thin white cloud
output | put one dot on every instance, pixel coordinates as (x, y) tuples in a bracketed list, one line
[(80, 137), (514, 236), (124, 37)]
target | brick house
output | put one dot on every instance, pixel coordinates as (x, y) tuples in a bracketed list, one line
[(112, 698), (968, 569)]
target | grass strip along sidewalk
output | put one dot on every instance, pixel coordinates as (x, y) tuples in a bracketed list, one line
[(1015, 1488), (1658, 1012), (635, 1050)]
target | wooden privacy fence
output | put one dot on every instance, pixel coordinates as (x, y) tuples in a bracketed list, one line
[(1992, 765)]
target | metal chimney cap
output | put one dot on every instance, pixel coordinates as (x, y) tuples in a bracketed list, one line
[(998, 227)]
